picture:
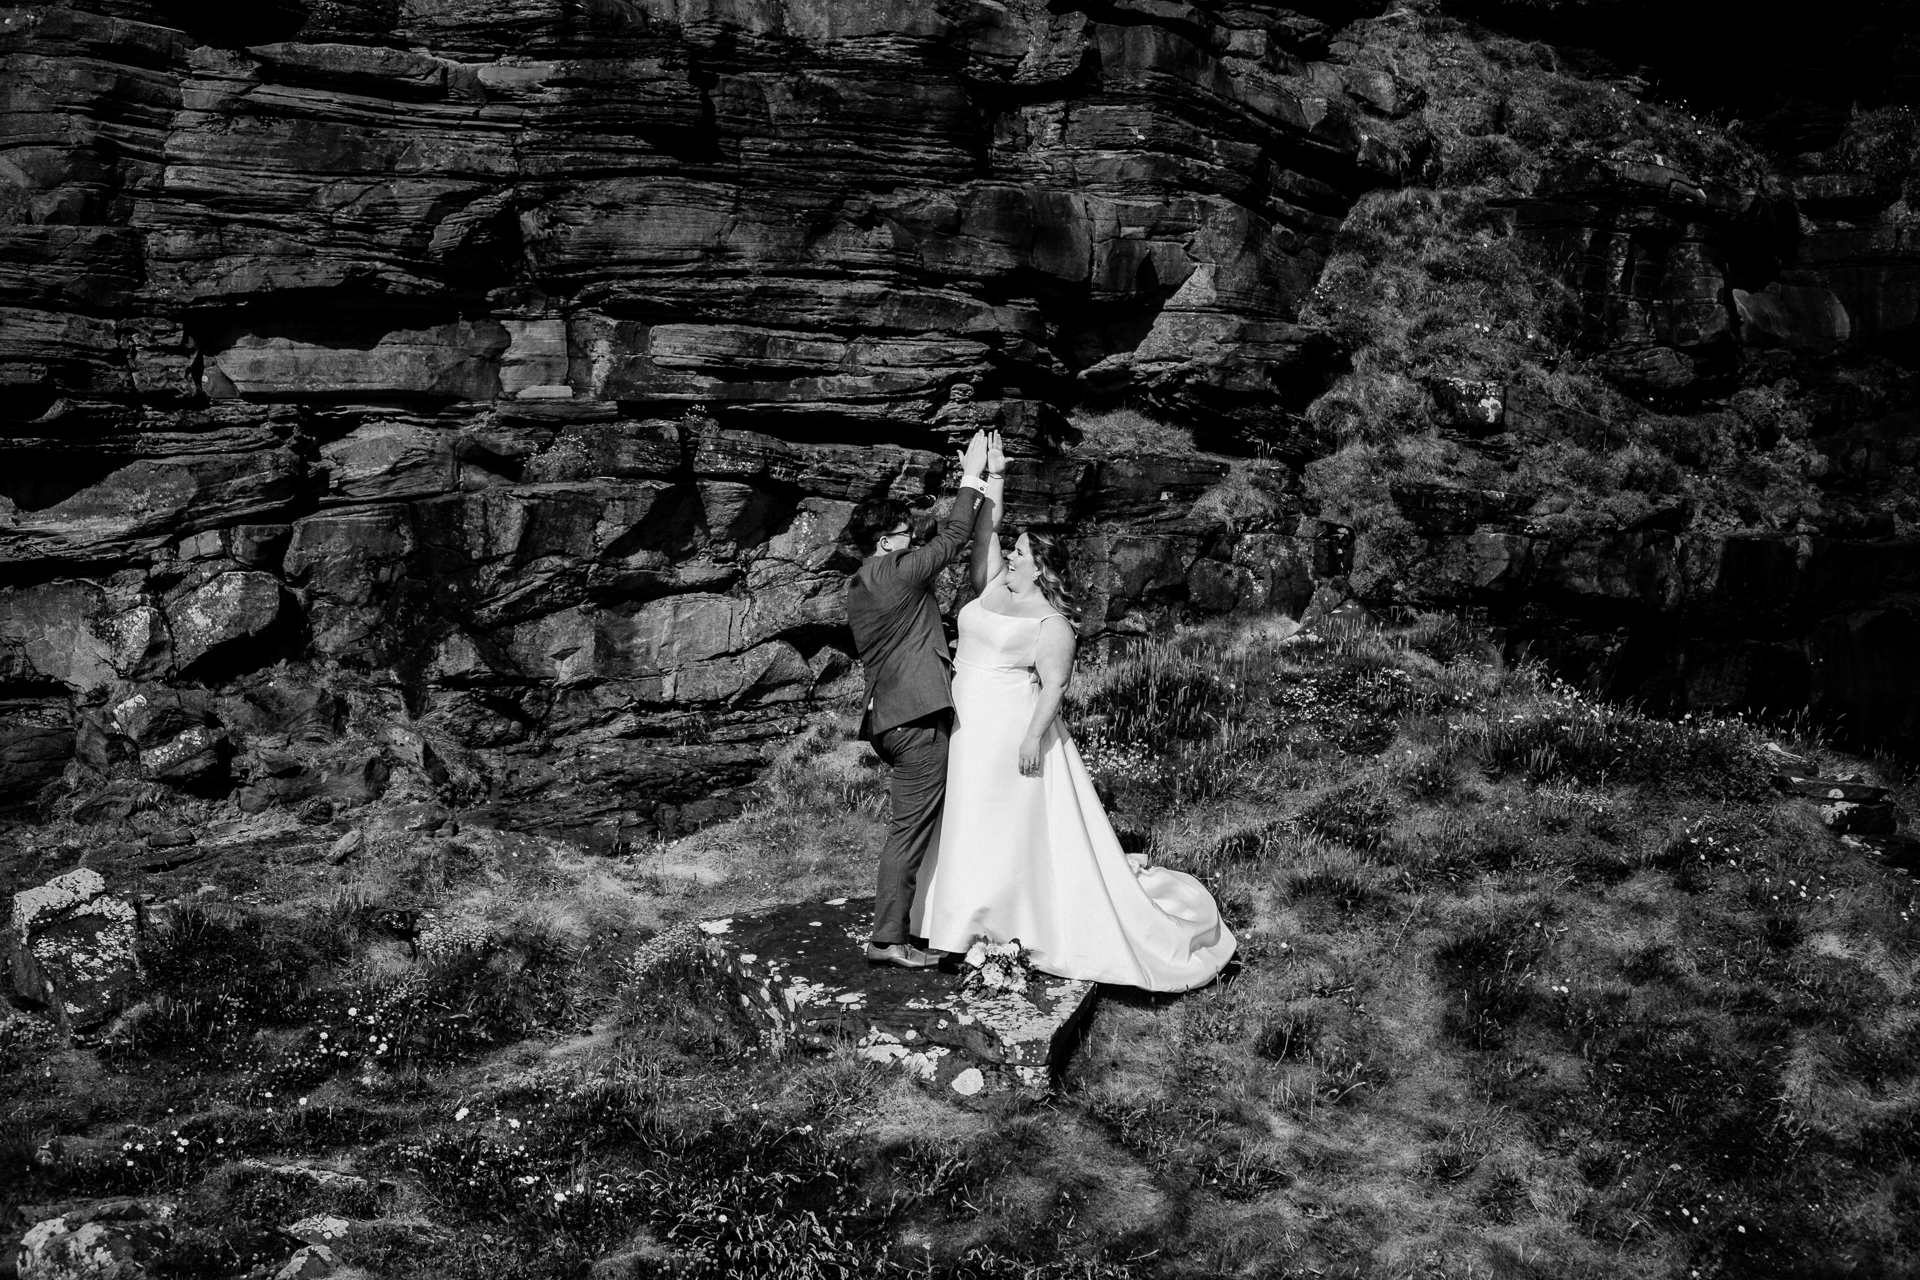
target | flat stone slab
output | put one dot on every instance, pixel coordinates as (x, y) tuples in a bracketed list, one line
[(801, 975), (1831, 789), (1899, 851)]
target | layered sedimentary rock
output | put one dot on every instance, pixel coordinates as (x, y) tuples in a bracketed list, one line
[(524, 365), (508, 374), (821, 210)]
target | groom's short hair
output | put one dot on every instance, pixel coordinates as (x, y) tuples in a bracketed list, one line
[(874, 518)]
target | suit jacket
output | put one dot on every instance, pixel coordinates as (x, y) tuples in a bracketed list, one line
[(896, 624)]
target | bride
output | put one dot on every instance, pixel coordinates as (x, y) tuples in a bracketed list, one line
[(1024, 849)]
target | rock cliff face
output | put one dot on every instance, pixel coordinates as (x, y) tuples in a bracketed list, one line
[(515, 370), (505, 374)]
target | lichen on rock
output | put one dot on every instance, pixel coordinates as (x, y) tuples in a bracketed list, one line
[(73, 948)]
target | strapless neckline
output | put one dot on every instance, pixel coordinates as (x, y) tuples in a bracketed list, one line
[(1017, 617)]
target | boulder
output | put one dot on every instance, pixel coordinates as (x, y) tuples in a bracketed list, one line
[(155, 715), (72, 948), (1844, 817), (1536, 415), (162, 832), (458, 360), (110, 1240), (1213, 587), (1803, 316), (116, 802), (216, 619), (1442, 508), (388, 460), (191, 758), (81, 634), (1792, 765), (1150, 487), (320, 1229), (1028, 428), (137, 509), (308, 1263), (36, 742), (1649, 370), (1469, 404)]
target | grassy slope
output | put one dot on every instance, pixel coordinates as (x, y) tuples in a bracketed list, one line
[(1529, 987)]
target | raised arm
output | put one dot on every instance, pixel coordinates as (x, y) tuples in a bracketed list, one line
[(987, 560), (1054, 664), (922, 564)]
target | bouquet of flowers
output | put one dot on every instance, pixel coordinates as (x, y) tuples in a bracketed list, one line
[(996, 968)]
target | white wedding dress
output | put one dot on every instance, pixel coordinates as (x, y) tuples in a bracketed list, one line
[(1035, 858)]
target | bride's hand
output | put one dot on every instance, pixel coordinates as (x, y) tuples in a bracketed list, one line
[(1029, 757)]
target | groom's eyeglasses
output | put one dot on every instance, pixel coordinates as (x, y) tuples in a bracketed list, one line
[(904, 531)]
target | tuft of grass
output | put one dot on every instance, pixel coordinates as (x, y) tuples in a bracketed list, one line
[(1489, 969), (1565, 735), (1116, 433), (1358, 814)]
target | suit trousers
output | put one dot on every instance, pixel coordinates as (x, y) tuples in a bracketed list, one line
[(916, 752)]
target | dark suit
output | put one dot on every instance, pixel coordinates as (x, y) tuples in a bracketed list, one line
[(903, 648)]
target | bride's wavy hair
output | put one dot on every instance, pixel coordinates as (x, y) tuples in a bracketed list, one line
[(1055, 578)]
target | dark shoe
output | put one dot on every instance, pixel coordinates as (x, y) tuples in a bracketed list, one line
[(903, 956)]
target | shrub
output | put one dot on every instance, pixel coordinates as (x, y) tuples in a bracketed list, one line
[(217, 975), (1570, 737), (1245, 499), (1448, 638), (1159, 693), (1118, 432), (675, 998), (1170, 718), (825, 767)]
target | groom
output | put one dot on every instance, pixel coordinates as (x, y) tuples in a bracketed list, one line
[(903, 647)]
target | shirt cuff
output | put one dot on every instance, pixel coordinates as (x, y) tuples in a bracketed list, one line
[(973, 482)]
